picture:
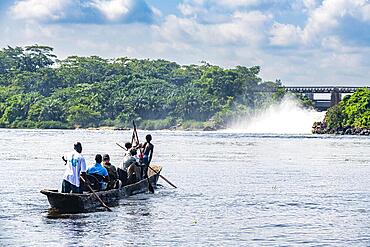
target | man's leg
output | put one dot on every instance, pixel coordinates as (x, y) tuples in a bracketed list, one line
[(145, 170), (66, 186), (138, 170), (75, 189)]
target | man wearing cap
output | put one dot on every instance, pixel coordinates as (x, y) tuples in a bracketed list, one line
[(75, 167), (112, 171)]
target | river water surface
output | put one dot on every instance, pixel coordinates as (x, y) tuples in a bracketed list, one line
[(234, 189)]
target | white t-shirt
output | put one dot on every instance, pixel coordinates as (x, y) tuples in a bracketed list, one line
[(128, 159), (75, 165), (126, 156)]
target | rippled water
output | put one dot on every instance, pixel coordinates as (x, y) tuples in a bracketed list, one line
[(235, 189)]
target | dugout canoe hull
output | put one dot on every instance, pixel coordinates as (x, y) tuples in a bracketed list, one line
[(78, 203)]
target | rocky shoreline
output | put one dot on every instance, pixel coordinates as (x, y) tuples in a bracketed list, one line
[(321, 128)]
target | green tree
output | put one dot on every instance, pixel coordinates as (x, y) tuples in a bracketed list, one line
[(16, 107), (352, 111), (82, 116)]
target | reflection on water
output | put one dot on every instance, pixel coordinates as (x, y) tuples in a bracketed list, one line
[(234, 189)]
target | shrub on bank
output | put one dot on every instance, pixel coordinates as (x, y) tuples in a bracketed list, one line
[(52, 125), (192, 125), (157, 124)]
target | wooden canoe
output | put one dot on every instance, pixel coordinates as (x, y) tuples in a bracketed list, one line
[(78, 203)]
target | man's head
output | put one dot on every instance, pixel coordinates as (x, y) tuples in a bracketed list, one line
[(78, 147), (148, 138), (106, 158), (98, 158), (133, 152), (128, 145)]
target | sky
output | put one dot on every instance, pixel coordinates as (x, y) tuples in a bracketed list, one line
[(300, 42)]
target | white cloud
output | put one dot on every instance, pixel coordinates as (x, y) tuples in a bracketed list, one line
[(242, 28), (310, 4), (236, 3), (324, 18), (365, 12), (39, 9), (113, 9), (189, 9), (285, 34), (156, 11), (87, 11), (321, 22)]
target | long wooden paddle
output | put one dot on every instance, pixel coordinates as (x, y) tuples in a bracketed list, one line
[(150, 187), (165, 179), (96, 195), (121, 146)]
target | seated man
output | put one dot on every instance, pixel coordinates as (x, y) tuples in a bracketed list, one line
[(129, 161), (112, 173), (99, 172)]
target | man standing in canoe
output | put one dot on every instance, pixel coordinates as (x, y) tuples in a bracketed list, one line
[(148, 155), (75, 167)]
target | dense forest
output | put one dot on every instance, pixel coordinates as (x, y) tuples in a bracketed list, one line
[(39, 91)]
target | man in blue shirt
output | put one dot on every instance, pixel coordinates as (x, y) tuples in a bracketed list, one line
[(101, 172)]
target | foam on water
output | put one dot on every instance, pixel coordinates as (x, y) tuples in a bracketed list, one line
[(288, 117)]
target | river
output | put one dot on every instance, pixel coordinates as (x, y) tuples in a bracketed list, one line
[(234, 189)]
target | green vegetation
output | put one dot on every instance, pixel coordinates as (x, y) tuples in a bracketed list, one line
[(39, 91), (353, 111)]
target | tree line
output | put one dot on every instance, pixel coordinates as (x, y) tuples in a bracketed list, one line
[(37, 90)]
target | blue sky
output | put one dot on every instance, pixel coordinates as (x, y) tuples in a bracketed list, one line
[(301, 42)]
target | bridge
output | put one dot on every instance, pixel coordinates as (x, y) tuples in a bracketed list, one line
[(320, 104)]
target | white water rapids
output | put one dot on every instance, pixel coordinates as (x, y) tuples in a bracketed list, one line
[(288, 117)]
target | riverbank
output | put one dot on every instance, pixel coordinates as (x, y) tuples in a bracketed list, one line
[(322, 128), (200, 127), (350, 117), (157, 124)]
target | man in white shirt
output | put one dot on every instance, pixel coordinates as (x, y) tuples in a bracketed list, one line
[(75, 167)]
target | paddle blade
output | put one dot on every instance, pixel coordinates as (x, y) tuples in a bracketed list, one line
[(150, 187)]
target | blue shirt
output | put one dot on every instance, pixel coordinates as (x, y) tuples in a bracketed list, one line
[(98, 169)]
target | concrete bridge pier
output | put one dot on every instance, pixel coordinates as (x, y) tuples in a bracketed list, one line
[(335, 98), (309, 95)]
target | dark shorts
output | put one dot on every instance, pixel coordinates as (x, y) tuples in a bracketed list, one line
[(146, 159), (67, 187)]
